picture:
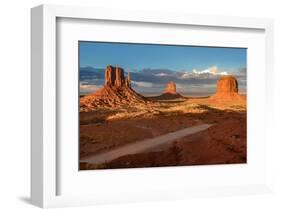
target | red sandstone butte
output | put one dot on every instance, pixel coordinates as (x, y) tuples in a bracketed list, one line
[(117, 91), (170, 92), (170, 88), (227, 89), (114, 77)]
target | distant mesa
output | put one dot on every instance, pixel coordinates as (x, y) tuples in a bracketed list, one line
[(170, 92), (117, 91), (227, 84), (171, 88), (227, 89)]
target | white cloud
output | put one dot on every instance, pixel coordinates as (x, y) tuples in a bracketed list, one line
[(142, 84), (161, 74), (185, 75), (89, 88), (207, 73)]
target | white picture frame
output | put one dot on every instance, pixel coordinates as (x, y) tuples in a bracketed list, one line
[(44, 153)]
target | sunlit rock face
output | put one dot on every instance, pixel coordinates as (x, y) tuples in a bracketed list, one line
[(170, 92), (114, 77), (171, 88), (227, 89), (227, 84), (116, 92)]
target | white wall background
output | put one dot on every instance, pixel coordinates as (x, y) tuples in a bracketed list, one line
[(15, 98)]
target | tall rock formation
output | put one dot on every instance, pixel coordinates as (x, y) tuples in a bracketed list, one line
[(171, 88), (119, 79), (117, 91), (109, 76), (128, 80), (114, 77), (227, 84), (170, 92), (227, 89)]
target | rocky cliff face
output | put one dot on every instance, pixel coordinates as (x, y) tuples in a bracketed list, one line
[(116, 92), (114, 77), (170, 88), (128, 80), (227, 84), (227, 89)]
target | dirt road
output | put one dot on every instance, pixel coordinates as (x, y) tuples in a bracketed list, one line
[(142, 146)]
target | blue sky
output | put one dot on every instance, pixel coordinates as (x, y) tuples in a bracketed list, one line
[(194, 69), (177, 58)]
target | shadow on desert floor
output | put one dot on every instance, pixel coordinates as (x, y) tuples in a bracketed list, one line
[(224, 142)]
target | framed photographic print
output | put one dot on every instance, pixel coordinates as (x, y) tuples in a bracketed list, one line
[(190, 112), (130, 106)]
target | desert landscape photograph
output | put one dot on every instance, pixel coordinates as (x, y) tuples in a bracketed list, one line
[(152, 105)]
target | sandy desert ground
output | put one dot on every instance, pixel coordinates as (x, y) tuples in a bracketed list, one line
[(224, 142)]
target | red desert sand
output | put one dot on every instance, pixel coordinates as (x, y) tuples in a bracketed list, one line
[(118, 118)]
